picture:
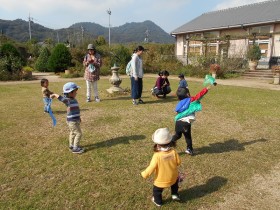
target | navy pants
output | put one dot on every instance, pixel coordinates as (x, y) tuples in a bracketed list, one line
[(136, 87), (185, 129), (157, 192)]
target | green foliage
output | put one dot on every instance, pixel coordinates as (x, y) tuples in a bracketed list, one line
[(41, 63), (27, 68), (121, 56), (60, 58), (100, 41), (254, 53), (10, 62)]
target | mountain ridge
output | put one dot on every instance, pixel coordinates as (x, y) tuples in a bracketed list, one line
[(146, 31)]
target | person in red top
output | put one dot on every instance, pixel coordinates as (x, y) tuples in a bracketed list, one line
[(164, 165), (162, 86)]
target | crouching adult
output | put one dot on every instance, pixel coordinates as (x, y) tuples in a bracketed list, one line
[(162, 86)]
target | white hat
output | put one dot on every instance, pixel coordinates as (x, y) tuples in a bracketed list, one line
[(162, 136)]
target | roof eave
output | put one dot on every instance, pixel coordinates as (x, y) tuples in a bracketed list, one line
[(225, 27)]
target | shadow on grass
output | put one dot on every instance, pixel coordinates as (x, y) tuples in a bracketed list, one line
[(114, 141), (161, 100), (212, 185), (227, 146), (65, 112)]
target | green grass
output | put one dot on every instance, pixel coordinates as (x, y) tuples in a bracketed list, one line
[(235, 136)]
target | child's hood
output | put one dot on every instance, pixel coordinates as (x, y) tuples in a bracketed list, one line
[(183, 105)]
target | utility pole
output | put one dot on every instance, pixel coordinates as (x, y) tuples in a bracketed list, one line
[(29, 20), (109, 13), (82, 28), (57, 36)]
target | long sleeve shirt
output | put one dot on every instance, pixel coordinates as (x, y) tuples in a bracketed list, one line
[(165, 166), (97, 62), (189, 106), (162, 81), (137, 66), (73, 110), (46, 92)]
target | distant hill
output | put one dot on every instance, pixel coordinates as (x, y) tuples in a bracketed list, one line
[(130, 32)]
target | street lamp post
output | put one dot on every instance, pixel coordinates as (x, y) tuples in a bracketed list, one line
[(109, 13)]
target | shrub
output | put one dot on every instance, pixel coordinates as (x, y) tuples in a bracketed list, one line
[(60, 59), (254, 53), (11, 62), (42, 62)]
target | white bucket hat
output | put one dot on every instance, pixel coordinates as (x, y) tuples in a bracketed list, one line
[(162, 136)]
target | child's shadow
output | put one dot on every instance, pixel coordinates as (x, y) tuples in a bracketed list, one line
[(114, 141), (161, 100), (64, 112), (227, 146), (212, 185)]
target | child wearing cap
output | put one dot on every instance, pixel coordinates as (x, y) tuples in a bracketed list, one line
[(73, 115), (164, 164), (183, 82), (186, 108)]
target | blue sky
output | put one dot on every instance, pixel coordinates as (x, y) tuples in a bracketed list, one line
[(168, 14)]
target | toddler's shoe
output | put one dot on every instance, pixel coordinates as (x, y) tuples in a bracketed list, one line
[(175, 197), (97, 99), (77, 150), (189, 151), (70, 147), (153, 200)]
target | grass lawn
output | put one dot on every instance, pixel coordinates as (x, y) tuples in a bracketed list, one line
[(235, 136)]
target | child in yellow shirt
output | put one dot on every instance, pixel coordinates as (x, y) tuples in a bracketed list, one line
[(164, 164)]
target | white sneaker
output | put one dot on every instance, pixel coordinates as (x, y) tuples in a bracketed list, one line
[(153, 200), (175, 198), (97, 99)]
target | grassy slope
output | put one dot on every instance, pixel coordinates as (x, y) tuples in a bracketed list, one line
[(235, 136)]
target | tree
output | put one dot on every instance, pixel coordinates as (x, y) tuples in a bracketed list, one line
[(11, 57), (60, 58), (42, 62)]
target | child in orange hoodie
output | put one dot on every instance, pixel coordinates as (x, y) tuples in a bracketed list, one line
[(165, 164)]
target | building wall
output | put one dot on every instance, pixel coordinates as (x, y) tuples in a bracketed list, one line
[(180, 45), (238, 46), (276, 47)]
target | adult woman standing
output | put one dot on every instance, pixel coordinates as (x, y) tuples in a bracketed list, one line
[(92, 62), (136, 76)]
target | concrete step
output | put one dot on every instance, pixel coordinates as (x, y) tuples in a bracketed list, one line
[(261, 74)]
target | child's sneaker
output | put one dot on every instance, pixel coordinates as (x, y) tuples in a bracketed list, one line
[(189, 151), (77, 150), (153, 200), (175, 197), (70, 147), (97, 99)]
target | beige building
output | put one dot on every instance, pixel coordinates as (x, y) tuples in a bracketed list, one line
[(229, 32)]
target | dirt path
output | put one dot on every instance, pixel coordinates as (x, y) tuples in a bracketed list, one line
[(253, 83)]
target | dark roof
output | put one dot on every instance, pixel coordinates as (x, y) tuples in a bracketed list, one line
[(251, 14)]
